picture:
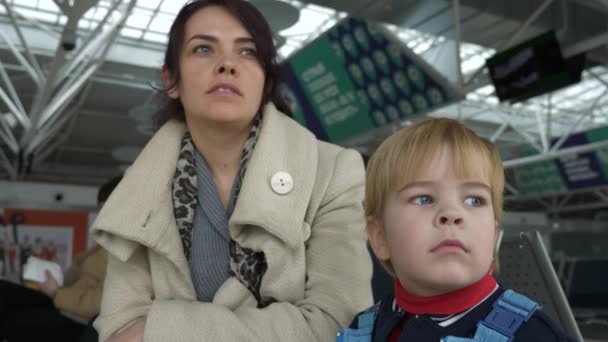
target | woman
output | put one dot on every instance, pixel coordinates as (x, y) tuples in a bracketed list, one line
[(235, 223)]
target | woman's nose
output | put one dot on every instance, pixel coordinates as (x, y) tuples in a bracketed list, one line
[(226, 67)]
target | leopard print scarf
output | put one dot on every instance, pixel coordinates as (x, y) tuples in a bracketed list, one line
[(247, 265)]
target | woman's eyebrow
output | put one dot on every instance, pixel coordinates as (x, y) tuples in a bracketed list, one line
[(215, 39)]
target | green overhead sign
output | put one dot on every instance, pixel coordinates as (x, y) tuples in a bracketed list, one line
[(357, 77)]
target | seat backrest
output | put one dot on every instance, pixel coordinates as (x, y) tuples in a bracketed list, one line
[(589, 284), (526, 268)]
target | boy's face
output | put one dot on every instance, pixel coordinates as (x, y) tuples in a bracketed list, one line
[(438, 231)]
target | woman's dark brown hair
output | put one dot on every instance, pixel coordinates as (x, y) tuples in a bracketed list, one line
[(253, 21)]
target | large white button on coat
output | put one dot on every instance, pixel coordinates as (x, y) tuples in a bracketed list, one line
[(281, 183)]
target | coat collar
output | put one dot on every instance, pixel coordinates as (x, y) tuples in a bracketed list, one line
[(134, 213), (140, 210), (283, 146)]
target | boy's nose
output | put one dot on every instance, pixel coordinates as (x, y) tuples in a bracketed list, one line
[(449, 215), (447, 219)]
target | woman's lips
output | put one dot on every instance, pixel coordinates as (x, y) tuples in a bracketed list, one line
[(224, 89)]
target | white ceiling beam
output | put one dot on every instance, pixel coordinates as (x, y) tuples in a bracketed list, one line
[(542, 132), (11, 88), (43, 27), (586, 45), (53, 127), (14, 110), (28, 67), (6, 135), (26, 47), (5, 164), (511, 188), (554, 154), (37, 135), (94, 40), (578, 123), (499, 132), (64, 96), (507, 119), (74, 12), (458, 34)]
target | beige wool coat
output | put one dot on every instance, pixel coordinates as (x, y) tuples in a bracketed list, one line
[(313, 237)]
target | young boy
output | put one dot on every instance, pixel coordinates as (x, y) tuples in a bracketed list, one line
[(433, 203)]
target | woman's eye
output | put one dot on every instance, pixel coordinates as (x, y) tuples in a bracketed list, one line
[(474, 201), (421, 200), (248, 52), (202, 49)]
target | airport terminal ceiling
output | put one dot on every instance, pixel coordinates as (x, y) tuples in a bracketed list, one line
[(77, 80)]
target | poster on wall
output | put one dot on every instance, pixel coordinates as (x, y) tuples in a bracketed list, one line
[(357, 77), (570, 172), (51, 235)]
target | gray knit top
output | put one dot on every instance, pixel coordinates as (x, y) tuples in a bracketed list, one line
[(210, 258)]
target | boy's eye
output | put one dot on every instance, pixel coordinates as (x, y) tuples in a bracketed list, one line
[(421, 200), (204, 49), (248, 52), (474, 201)]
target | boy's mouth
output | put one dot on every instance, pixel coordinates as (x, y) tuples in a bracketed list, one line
[(449, 245)]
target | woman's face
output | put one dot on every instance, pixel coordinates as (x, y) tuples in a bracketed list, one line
[(221, 78)]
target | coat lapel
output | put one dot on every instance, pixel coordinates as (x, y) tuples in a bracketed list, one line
[(283, 145), (140, 210)]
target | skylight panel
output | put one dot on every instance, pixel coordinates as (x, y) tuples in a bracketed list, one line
[(485, 90), (38, 15), (592, 94), (150, 4), (96, 13), (309, 22), (156, 37), (161, 23), (85, 24), (472, 64), (172, 6), (131, 33), (138, 20), (24, 3), (48, 5), (322, 10)]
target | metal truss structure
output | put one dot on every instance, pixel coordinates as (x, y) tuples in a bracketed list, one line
[(60, 88), (31, 131)]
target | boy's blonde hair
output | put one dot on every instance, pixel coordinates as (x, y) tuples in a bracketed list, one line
[(407, 154)]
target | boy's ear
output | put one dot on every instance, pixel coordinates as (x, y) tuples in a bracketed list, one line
[(497, 234), (170, 86), (377, 238)]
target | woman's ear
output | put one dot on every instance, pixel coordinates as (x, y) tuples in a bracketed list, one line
[(170, 86), (377, 238)]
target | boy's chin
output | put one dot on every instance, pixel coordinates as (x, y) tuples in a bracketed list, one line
[(444, 283), (452, 281)]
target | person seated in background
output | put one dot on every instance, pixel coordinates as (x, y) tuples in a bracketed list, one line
[(54, 313), (433, 203)]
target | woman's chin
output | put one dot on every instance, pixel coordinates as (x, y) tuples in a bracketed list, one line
[(222, 117)]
